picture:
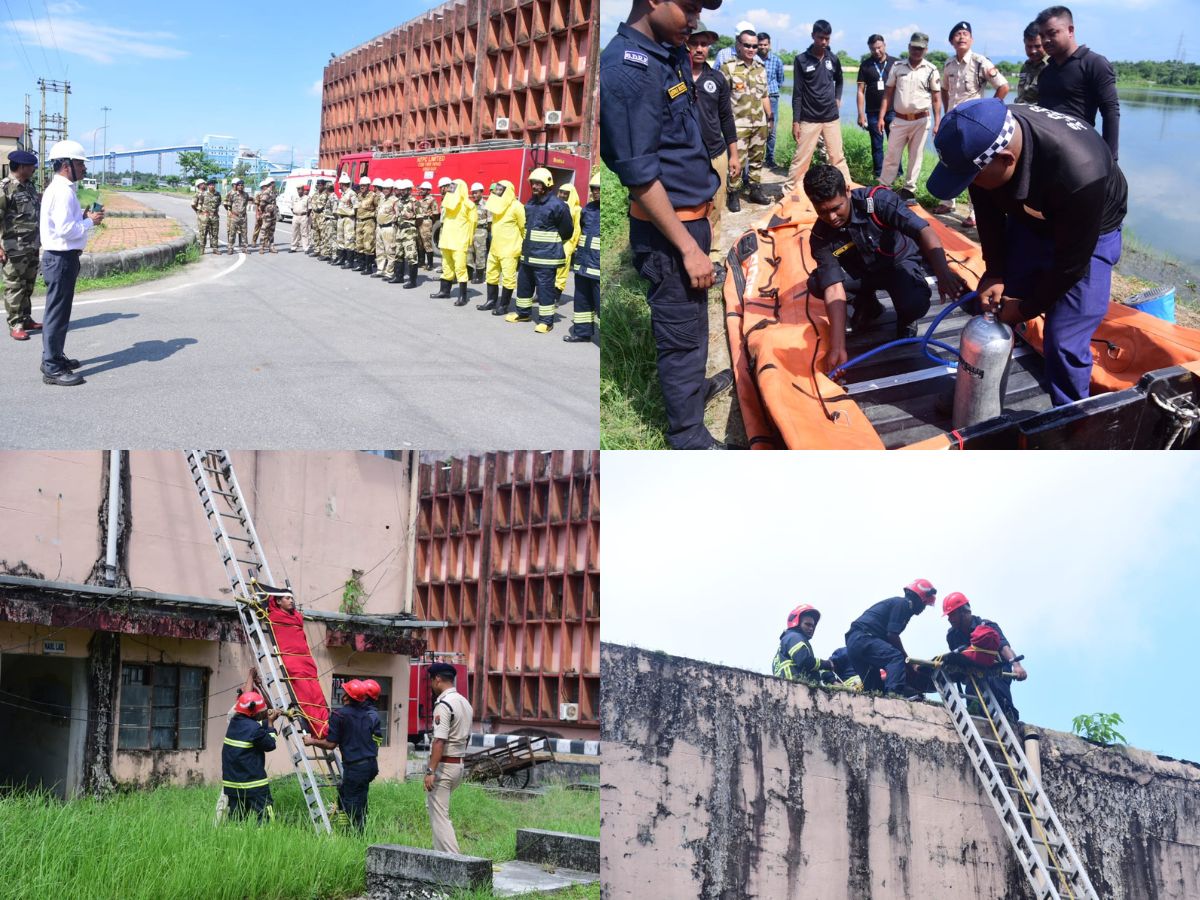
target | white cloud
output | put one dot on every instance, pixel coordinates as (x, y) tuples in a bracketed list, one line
[(900, 36), (765, 20), (65, 8), (97, 42), (278, 152), (316, 88)]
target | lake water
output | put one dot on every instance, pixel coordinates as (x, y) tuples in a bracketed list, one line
[(1160, 137)]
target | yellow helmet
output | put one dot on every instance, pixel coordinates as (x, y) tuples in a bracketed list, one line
[(595, 180), (542, 176)]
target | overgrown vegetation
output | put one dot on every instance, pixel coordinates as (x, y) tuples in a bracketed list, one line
[(353, 594), (124, 279), (1100, 728), (162, 843)]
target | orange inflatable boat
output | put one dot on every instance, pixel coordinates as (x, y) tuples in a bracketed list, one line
[(1145, 389)]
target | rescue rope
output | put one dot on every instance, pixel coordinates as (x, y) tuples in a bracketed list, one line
[(1021, 788)]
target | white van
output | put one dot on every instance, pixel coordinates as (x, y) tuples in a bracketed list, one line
[(89, 183), (289, 187)]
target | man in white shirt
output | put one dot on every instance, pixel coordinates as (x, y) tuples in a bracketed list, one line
[(64, 232)]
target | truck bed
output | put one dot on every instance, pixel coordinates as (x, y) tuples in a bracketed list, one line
[(908, 398)]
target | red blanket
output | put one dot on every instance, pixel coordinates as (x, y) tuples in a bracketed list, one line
[(300, 669)]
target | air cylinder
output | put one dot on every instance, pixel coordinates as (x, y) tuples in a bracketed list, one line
[(985, 350)]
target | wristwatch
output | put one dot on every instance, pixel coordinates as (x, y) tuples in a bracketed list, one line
[(428, 771)]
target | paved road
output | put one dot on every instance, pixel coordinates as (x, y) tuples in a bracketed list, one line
[(285, 351)]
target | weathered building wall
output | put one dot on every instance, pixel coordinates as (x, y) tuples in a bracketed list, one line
[(443, 79), (722, 783), (320, 517)]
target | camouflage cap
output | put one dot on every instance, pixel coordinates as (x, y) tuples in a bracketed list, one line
[(919, 39), (701, 30)]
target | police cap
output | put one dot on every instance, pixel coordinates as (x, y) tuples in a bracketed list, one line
[(442, 670), (22, 158)]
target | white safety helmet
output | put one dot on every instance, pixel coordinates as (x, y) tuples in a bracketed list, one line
[(344, 179), (238, 181), (198, 182), (67, 150), (405, 184), (476, 187), (443, 181), (377, 182), (426, 186), (364, 180), (265, 182)]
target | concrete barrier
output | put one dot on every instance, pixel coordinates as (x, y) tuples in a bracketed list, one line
[(559, 849), (134, 214), (97, 265), (397, 871)]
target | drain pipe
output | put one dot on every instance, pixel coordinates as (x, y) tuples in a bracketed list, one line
[(1033, 752), (114, 517), (414, 492)]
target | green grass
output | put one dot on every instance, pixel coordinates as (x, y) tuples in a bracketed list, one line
[(162, 843), (1157, 86), (125, 279)]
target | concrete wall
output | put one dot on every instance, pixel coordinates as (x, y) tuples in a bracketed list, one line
[(721, 783), (319, 515)]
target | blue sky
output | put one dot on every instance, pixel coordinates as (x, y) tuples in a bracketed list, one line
[(173, 72), (1087, 561), (1119, 29)]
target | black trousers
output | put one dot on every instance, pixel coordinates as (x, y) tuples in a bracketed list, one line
[(679, 319), (904, 282), (60, 270), (352, 793), (252, 800)]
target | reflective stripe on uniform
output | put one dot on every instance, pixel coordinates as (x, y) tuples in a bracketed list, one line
[(245, 785), (232, 743), (544, 310), (378, 741), (549, 237), (583, 317), (524, 302), (542, 261), (588, 270)]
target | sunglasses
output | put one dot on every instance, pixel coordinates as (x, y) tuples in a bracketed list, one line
[(750, 46)]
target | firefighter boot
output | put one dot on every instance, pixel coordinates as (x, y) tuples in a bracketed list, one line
[(412, 276), (443, 291), (502, 306), (462, 294), (493, 294)]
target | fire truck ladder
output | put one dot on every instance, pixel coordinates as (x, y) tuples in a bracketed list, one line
[(1042, 846), (242, 556)]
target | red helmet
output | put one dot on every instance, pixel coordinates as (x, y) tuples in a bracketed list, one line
[(924, 590), (954, 601), (799, 612), (371, 688), (353, 689), (250, 704)]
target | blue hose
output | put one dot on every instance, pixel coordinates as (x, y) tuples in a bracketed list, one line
[(926, 340)]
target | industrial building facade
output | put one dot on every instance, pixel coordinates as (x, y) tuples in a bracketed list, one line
[(508, 553), (126, 672), (467, 72)]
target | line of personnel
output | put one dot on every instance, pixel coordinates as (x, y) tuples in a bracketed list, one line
[(874, 659), (389, 229), (356, 731)]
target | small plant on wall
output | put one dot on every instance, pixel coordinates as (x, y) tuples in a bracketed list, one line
[(353, 594), (1099, 728)]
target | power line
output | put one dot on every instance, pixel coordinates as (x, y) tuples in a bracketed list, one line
[(16, 33), (54, 38), (38, 30)]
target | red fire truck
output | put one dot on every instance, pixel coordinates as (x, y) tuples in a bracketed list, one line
[(486, 162), (420, 696)]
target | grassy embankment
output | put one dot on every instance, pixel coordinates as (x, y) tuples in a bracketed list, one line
[(162, 843)]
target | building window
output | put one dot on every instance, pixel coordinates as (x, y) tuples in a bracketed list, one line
[(383, 704), (162, 708)]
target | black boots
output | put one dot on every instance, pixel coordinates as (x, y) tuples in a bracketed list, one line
[(443, 291), (429, 260), (502, 307), (493, 295), (478, 277), (412, 276), (397, 272), (732, 203), (345, 260), (462, 294), (755, 195)]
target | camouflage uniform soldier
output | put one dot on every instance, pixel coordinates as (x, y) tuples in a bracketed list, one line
[(237, 205), (385, 232), (201, 212), (212, 207), (266, 213), (407, 236), (428, 213), (364, 225), (345, 226), (316, 217), (20, 208), (478, 251), (747, 94), (330, 225)]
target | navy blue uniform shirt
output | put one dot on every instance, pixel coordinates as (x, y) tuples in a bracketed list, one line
[(956, 639), (357, 731), (862, 247), (885, 617), (649, 128), (816, 87), (243, 754)]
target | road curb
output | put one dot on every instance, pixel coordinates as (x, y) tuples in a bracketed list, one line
[(97, 265), (135, 214)]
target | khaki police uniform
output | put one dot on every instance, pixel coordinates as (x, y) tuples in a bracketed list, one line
[(912, 101), (964, 80), (452, 716)]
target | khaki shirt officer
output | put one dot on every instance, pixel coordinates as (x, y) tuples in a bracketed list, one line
[(452, 716)]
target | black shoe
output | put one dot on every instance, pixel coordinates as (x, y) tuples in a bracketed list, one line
[(732, 203), (443, 291), (717, 385), (866, 311), (906, 331), (502, 307), (397, 273), (343, 259), (462, 294), (493, 296), (62, 379), (412, 276), (572, 337), (755, 195), (68, 363), (717, 445)]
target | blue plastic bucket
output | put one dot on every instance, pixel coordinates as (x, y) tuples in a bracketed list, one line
[(1159, 302)]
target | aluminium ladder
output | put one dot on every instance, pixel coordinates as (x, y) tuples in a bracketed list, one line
[(1044, 851), (241, 554)]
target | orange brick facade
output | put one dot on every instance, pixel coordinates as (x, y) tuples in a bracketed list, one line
[(445, 78), (508, 553)]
